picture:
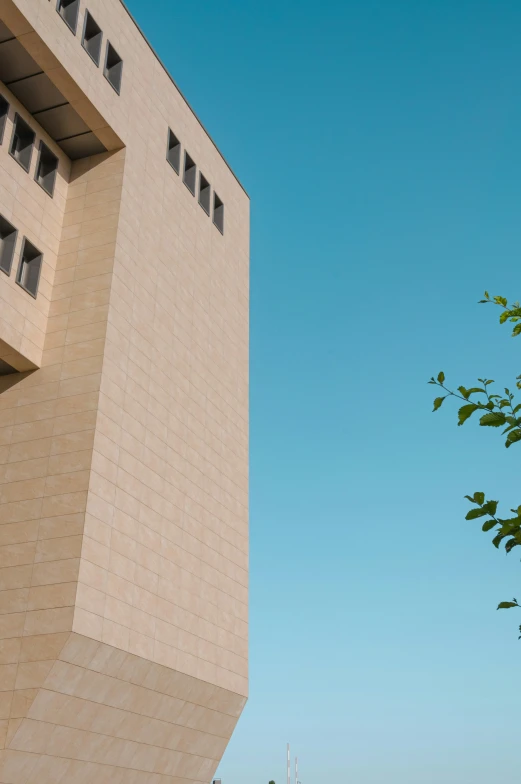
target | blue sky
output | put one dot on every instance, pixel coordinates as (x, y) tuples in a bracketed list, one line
[(379, 142)]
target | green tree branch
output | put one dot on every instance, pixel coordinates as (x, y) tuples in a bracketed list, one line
[(497, 411)]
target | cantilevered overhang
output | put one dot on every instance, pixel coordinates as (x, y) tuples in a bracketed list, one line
[(29, 69)]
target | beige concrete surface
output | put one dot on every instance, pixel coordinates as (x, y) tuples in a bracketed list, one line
[(124, 444)]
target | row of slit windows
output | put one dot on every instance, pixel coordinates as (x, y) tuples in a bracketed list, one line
[(190, 179), (113, 71), (91, 41), (21, 149), (31, 259)]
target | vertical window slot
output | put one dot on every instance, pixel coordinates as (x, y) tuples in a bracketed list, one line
[(4, 109), (204, 193), (69, 10), (46, 169), (22, 143), (218, 213), (189, 174), (8, 235), (92, 38), (173, 153), (30, 268), (113, 70)]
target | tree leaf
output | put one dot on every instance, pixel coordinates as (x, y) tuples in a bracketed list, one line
[(441, 377), (474, 513), (512, 437), (506, 605), (496, 541), (479, 498), (489, 525), (510, 526), (438, 402), (495, 419), (511, 544), (491, 507), (516, 331), (465, 412)]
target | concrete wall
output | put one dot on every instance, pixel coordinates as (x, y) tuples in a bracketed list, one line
[(124, 457)]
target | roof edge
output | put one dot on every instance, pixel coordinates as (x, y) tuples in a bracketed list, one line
[(165, 69)]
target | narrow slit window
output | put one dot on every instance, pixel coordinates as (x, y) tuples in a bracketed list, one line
[(46, 169), (22, 142), (69, 10), (4, 109), (218, 213), (113, 70), (173, 154), (30, 268), (204, 193), (189, 175), (8, 235), (92, 38)]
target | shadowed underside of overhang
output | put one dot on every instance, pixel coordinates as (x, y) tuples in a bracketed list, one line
[(49, 107), (31, 71)]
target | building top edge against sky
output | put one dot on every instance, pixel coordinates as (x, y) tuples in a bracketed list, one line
[(160, 61), (108, 117)]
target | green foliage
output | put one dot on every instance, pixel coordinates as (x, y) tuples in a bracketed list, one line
[(497, 411)]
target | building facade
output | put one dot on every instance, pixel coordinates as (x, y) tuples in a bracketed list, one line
[(124, 286)]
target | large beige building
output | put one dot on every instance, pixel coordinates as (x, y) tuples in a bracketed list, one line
[(124, 253)]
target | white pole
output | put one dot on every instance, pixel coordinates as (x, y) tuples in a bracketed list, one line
[(296, 770), (289, 767)]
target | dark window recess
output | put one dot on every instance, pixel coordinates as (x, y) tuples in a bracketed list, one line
[(204, 193), (113, 70), (189, 175), (69, 10), (92, 37), (4, 108), (30, 267), (218, 213), (22, 142), (8, 235), (46, 169), (173, 153)]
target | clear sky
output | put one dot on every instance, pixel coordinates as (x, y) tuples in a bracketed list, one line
[(380, 142)]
